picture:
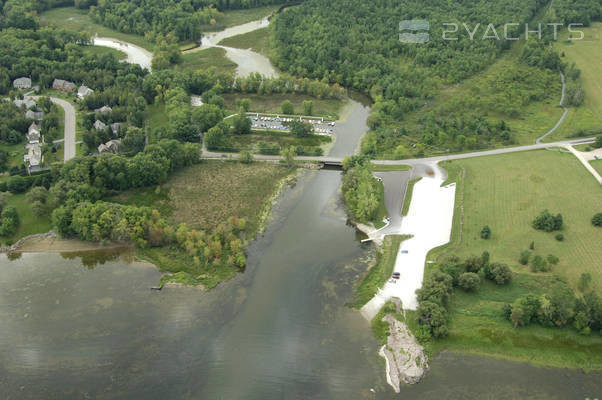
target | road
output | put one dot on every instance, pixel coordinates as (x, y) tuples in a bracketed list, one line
[(566, 111), (413, 161), (69, 144)]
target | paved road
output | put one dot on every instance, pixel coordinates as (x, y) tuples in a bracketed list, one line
[(414, 161), (396, 184), (69, 127)]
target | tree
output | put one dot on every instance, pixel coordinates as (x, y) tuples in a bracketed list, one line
[(243, 104), (473, 264), (598, 143), (308, 107), (288, 153), (134, 140), (434, 316), (16, 184), (241, 124), (486, 232), (499, 273), (207, 116), (301, 129), (246, 157), (548, 222), (287, 107), (584, 281), (524, 257), (217, 137), (437, 288), (469, 281), (597, 219)]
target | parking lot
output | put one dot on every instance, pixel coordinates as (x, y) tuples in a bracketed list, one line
[(281, 124)]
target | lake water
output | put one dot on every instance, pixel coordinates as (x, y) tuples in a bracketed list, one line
[(73, 329)]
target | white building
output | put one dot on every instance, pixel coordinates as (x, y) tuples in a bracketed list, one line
[(112, 146), (99, 125), (22, 83), (33, 133), (103, 110), (84, 91), (28, 103)]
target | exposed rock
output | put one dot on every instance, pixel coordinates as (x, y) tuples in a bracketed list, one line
[(404, 356)]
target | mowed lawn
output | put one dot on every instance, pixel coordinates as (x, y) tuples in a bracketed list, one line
[(507, 191), (258, 41), (587, 55), (204, 59)]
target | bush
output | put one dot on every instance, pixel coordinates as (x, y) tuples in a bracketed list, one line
[(246, 157), (486, 232), (436, 288), (469, 281), (434, 316), (559, 237), (524, 257), (16, 184), (548, 222), (287, 107), (473, 264), (9, 221), (499, 273), (538, 264), (597, 220), (552, 259)]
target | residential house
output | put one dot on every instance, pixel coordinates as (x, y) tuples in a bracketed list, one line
[(112, 146), (103, 110), (99, 125), (34, 155), (27, 102), (36, 115), (115, 128), (33, 133), (84, 91), (66, 86), (22, 83)]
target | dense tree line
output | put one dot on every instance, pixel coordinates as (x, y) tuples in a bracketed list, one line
[(362, 192), (558, 308), (172, 19), (578, 11)]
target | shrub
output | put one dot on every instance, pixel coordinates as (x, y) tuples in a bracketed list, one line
[(499, 273), (473, 264), (486, 232), (532, 246), (434, 316), (559, 237), (469, 281), (287, 107), (246, 157), (16, 184), (524, 257), (584, 281), (436, 288), (597, 220), (552, 259), (538, 264), (548, 222)]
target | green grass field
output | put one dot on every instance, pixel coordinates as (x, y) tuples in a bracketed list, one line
[(78, 20), (250, 142), (506, 192), (597, 164), (29, 224), (390, 168), (258, 41), (271, 103), (204, 59), (408, 197), (587, 56)]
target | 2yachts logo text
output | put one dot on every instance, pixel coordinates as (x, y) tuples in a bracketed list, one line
[(418, 31)]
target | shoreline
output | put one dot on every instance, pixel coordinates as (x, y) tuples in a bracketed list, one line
[(49, 242)]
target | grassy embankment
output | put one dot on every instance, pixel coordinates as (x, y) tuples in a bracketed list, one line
[(587, 56), (408, 196), (379, 273), (506, 192), (204, 59), (390, 168), (29, 224), (78, 20), (258, 41), (203, 197), (238, 17)]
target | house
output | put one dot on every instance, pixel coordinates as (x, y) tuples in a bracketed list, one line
[(36, 115), (103, 110), (84, 91), (112, 146), (33, 133), (66, 86), (34, 155), (99, 125), (28, 103), (22, 83), (115, 127)]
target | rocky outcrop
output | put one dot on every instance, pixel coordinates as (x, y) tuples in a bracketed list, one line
[(405, 358), (19, 243)]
